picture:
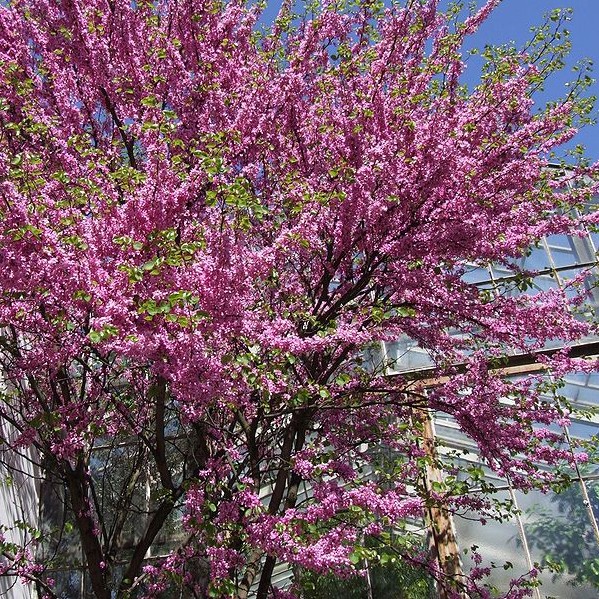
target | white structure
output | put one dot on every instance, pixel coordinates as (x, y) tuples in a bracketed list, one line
[(19, 505)]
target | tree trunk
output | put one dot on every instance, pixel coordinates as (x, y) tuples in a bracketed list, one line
[(79, 496)]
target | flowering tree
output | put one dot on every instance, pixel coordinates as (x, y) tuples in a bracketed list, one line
[(206, 229)]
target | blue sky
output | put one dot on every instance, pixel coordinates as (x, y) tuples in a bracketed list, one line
[(512, 21)]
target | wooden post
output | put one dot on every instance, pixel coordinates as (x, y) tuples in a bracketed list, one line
[(442, 540)]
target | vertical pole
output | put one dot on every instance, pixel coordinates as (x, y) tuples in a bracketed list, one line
[(523, 538), (583, 488), (148, 498), (368, 580)]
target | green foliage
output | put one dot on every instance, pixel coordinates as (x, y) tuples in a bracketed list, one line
[(389, 579), (566, 539)]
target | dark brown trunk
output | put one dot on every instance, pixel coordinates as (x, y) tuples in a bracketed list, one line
[(79, 496)]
